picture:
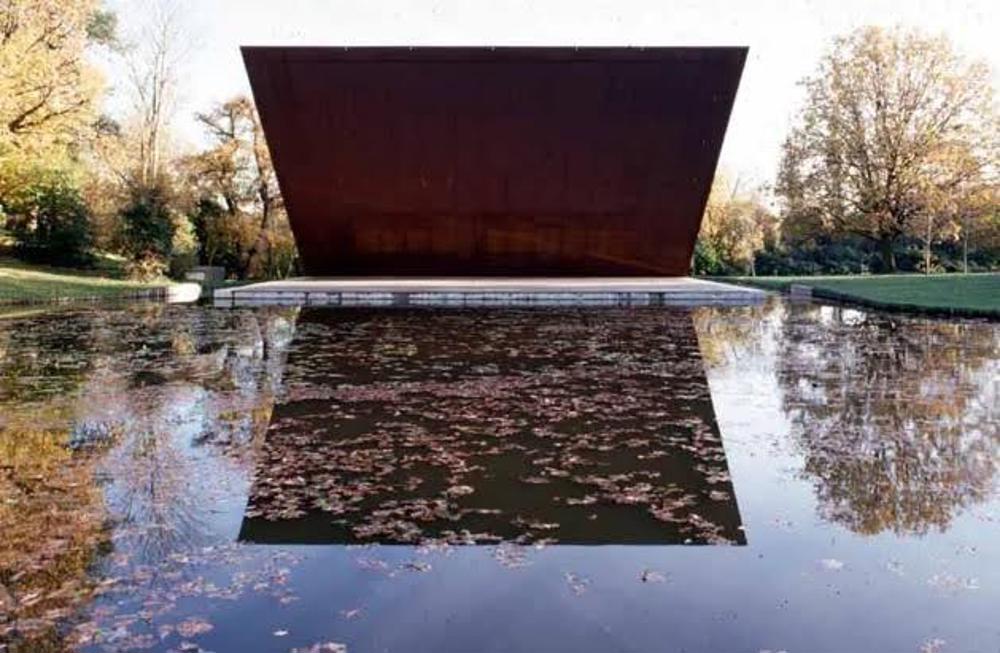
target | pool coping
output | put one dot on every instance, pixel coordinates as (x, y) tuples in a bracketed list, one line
[(488, 291)]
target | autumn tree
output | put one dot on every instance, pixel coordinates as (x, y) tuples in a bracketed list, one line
[(49, 96), (48, 89), (45, 212), (892, 119), (979, 220), (240, 218), (735, 226)]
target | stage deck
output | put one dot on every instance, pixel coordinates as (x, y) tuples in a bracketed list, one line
[(488, 291)]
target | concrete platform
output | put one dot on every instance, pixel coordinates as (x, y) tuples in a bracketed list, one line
[(484, 291)]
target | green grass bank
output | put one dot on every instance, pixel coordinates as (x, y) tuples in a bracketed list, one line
[(972, 295), (26, 283)]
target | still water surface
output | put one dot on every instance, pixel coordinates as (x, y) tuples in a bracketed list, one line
[(791, 477)]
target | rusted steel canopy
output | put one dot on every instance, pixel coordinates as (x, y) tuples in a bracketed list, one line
[(495, 161)]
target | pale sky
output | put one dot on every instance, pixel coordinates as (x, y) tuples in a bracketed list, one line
[(786, 39)]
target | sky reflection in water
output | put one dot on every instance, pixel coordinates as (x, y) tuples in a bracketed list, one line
[(856, 473)]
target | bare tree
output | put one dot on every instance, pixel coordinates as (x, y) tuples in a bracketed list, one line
[(153, 61)]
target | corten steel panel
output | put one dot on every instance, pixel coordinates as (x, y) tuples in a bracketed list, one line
[(495, 161)]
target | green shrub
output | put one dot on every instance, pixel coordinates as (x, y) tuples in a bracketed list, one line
[(707, 261), (45, 213), (147, 230)]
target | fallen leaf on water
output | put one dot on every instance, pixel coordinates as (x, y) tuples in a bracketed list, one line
[(193, 627), (895, 566), (831, 564), (578, 584), (650, 576), (322, 647), (417, 565), (460, 490), (935, 645), (952, 583)]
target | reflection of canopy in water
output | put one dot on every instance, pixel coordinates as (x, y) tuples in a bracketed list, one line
[(401, 426)]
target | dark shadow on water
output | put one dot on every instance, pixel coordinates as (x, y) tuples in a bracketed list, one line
[(575, 427)]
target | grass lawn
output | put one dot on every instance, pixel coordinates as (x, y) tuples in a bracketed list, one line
[(972, 293), (22, 282)]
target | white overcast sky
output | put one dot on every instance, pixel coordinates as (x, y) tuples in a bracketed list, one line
[(785, 37)]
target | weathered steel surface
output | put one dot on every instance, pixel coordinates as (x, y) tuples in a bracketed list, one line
[(505, 161)]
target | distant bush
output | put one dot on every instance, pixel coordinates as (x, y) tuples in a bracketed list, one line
[(822, 256), (183, 247), (217, 234), (147, 231), (48, 218), (707, 261), (147, 268), (832, 256)]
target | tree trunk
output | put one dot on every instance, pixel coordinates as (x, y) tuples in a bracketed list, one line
[(261, 240), (927, 246), (887, 252), (965, 250)]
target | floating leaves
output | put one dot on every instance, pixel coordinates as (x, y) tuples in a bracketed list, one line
[(651, 576), (831, 564), (193, 626), (322, 647), (933, 645), (511, 556), (417, 565), (434, 445), (951, 583), (577, 584), (512, 430)]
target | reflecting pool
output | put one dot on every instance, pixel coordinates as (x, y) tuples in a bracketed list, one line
[(794, 477)]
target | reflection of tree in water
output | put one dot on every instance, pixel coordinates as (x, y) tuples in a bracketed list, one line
[(896, 416), (51, 529), (43, 362), (159, 401), (199, 388), (729, 334)]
